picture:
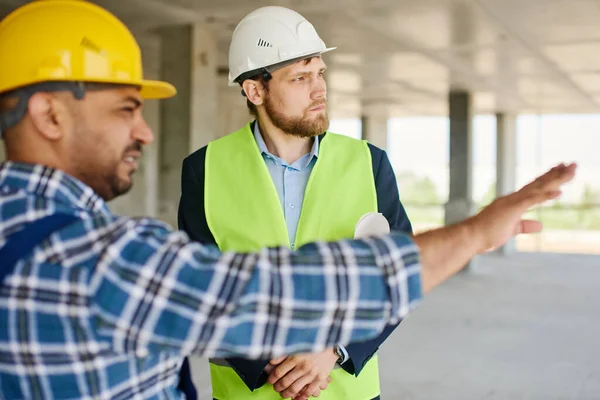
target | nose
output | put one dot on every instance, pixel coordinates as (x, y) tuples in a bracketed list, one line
[(142, 132), (320, 89)]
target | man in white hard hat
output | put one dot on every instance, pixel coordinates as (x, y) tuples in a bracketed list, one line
[(284, 180), (316, 186)]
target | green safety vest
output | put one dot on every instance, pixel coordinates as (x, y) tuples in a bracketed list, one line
[(244, 214)]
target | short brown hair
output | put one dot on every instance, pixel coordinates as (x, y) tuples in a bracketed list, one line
[(7, 103)]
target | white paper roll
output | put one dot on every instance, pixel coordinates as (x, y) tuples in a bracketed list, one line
[(371, 224)]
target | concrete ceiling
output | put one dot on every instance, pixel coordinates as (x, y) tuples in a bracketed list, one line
[(402, 57)]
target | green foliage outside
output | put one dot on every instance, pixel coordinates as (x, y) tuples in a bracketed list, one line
[(417, 190)]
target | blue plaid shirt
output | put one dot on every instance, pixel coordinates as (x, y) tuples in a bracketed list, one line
[(107, 307)]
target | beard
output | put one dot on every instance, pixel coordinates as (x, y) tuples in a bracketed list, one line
[(104, 177), (95, 162), (119, 186), (298, 126)]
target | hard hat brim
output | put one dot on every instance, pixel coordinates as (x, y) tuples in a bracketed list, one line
[(297, 57), (150, 89)]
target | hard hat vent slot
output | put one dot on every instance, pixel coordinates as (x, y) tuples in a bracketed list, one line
[(86, 42), (264, 43)]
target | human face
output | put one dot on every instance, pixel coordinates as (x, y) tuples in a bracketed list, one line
[(106, 140), (296, 98)]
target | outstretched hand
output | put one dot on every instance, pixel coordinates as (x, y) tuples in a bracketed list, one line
[(500, 220)]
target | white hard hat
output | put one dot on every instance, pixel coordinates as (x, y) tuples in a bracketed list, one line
[(269, 36)]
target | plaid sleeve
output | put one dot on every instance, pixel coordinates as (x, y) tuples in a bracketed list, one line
[(154, 290)]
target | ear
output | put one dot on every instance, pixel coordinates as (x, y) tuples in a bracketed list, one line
[(48, 115), (255, 92)]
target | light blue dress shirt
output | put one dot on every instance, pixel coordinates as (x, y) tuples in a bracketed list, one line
[(290, 181)]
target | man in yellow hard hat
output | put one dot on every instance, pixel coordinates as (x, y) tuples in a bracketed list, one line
[(98, 306)]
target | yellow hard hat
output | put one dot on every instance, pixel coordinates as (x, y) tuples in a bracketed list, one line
[(71, 40)]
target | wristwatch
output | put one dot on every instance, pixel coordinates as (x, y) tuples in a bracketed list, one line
[(338, 352)]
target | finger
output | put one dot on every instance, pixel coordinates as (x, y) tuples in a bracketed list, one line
[(554, 178), (277, 361), (528, 226), (295, 375), (268, 368), (281, 370), (552, 194), (554, 175), (541, 197), (302, 395), (564, 173), (323, 384), (312, 388), (538, 181), (294, 388)]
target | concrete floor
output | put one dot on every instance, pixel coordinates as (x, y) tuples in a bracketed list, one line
[(525, 327)]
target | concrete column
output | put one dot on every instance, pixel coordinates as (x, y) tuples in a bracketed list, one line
[(460, 204), (232, 110), (151, 161), (189, 120), (506, 161), (460, 199), (375, 130)]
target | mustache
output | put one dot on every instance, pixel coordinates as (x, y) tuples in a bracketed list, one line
[(135, 146), (318, 104)]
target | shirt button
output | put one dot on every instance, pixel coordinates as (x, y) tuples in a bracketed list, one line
[(291, 205), (293, 245)]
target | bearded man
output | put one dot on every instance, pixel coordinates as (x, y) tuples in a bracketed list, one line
[(283, 180)]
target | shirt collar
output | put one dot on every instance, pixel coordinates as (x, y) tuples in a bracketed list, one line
[(50, 183), (262, 146)]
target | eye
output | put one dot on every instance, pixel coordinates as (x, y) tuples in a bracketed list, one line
[(299, 79), (128, 110)]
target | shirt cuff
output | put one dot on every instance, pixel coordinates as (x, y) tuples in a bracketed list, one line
[(345, 353)]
